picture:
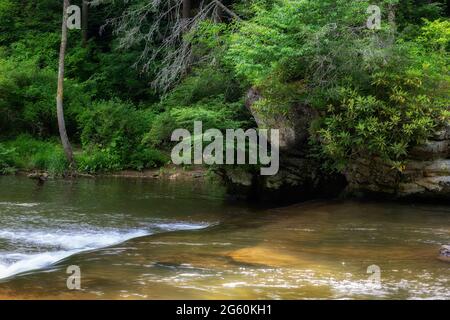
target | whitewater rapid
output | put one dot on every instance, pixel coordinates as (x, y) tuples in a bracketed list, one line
[(30, 248)]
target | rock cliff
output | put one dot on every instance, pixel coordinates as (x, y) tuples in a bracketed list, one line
[(426, 173), (300, 177)]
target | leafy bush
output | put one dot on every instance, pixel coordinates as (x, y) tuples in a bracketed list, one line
[(27, 100), (6, 160), (408, 98), (436, 35), (110, 74), (213, 113), (147, 157), (113, 131), (379, 93), (96, 160), (296, 51), (112, 124), (205, 84), (27, 153), (213, 96), (41, 49)]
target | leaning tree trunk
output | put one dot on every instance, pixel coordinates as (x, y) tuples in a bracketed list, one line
[(60, 95)]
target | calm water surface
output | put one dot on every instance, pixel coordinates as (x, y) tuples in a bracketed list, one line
[(137, 239)]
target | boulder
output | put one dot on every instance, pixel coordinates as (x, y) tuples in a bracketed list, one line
[(426, 172), (40, 176), (442, 133), (444, 253), (266, 256), (299, 177), (371, 175), (293, 125)]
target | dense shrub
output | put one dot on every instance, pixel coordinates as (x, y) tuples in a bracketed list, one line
[(408, 98), (95, 160), (27, 153), (205, 84), (213, 113), (436, 35), (113, 132), (379, 92), (212, 96), (6, 160), (27, 99)]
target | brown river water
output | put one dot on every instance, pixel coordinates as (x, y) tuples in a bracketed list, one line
[(150, 239)]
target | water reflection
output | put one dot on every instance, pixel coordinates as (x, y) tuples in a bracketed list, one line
[(197, 246)]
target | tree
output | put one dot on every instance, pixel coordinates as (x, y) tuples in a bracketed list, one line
[(162, 28), (85, 18), (60, 94), (187, 4)]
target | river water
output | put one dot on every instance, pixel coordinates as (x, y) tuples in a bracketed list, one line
[(151, 239)]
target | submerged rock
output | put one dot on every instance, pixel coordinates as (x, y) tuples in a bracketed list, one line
[(265, 256), (40, 176), (444, 253)]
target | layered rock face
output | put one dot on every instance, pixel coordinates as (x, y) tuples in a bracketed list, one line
[(426, 174), (299, 176)]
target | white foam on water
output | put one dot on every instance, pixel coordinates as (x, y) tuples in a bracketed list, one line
[(29, 262), (72, 240), (60, 244), (19, 204), (176, 226)]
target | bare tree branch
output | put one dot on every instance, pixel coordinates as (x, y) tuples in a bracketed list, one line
[(164, 30)]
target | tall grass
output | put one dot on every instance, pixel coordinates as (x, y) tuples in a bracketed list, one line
[(27, 153)]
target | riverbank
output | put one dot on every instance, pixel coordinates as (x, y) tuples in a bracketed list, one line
[(168, 172)]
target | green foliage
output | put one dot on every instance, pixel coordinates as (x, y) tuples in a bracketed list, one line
[(27, 99), (96, 160), (297, 51), (113, 133), (205, 84), (212, 96), (409, 13), (7, 12), (212, 113), (378, 93), (7, 156), (110, 74), (27, 153), (436, 35), (405, 103), (39, 48)]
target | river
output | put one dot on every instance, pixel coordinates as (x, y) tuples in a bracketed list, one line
[(152, 239)]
